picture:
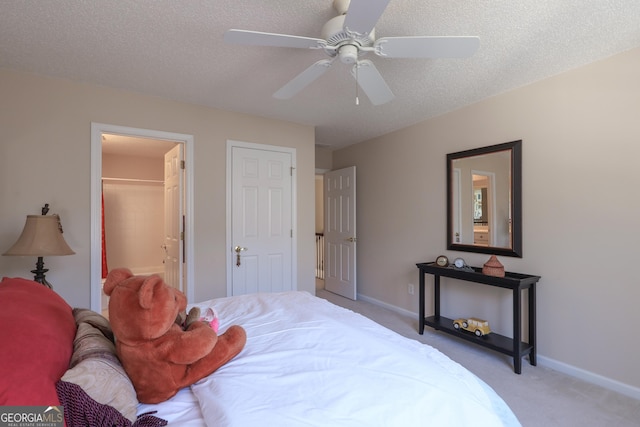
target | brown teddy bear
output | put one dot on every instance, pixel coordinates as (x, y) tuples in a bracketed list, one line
[(157, 354)]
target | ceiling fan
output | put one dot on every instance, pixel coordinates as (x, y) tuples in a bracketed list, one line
[(350, 35)]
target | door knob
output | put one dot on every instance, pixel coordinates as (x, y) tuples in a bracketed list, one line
[(352, 239), (238, 249)]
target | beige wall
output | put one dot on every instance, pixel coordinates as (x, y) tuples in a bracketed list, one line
[(45, 158), (132, 167), (323, 158), (581, 212), (323, 164), (319, 204)]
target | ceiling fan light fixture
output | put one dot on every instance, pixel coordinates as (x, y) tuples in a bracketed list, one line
[(348, 54)]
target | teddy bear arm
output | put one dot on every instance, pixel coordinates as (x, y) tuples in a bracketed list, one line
[(190, 346)]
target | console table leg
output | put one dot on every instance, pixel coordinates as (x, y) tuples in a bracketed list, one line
[(436, 297), (517, 331), (532, 324), (421, 303)]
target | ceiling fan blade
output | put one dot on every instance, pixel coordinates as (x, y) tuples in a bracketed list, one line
[(371, 82), (363, 15), (257, 38), (303, 79), (426, 47)]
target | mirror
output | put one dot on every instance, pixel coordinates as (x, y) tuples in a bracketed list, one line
[(484, 200)]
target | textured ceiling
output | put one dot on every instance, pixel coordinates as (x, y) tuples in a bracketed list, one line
[(175, 49)]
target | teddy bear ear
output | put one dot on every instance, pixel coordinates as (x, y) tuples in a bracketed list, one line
[(146, 292), (114, 277)]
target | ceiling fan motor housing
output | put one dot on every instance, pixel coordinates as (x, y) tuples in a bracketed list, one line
[(344, 42)]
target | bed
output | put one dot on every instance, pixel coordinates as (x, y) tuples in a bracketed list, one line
[(308, 362)]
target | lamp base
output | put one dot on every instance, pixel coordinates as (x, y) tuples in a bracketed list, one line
[(39, 273)]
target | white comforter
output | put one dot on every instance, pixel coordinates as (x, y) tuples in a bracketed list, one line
[(308, 362)]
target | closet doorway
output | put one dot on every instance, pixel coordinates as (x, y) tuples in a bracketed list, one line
[(137, 221), (143, 210)]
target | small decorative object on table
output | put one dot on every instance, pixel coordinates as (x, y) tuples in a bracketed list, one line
[(442, 261), (479, 327), (493, 267), (461, 264)]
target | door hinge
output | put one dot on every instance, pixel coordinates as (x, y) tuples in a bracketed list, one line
[(291, 170), (182, 235), (291, 234), (182, 164)]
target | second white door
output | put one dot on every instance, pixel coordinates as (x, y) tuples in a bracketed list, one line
[(340, 232)]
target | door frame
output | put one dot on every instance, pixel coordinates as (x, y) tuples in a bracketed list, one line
[(97, 129), (491, 206), (294, 208)]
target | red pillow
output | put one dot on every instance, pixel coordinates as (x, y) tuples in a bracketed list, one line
[(36, 331)]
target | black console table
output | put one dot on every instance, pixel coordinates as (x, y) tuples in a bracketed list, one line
[(513, 347)]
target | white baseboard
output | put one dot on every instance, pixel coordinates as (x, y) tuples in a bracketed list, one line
[(590, 377), (387, 306)]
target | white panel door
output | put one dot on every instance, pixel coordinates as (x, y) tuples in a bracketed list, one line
[(173, 212), (340, 232), (261, 221)]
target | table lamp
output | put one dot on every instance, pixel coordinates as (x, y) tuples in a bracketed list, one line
[(41, 236)]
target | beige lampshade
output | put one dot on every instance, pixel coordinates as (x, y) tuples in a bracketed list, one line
[(41, 237)]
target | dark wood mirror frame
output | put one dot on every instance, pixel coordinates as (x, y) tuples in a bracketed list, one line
[(515, 250)]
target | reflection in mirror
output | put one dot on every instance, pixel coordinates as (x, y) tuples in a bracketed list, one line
[(484, 200)]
